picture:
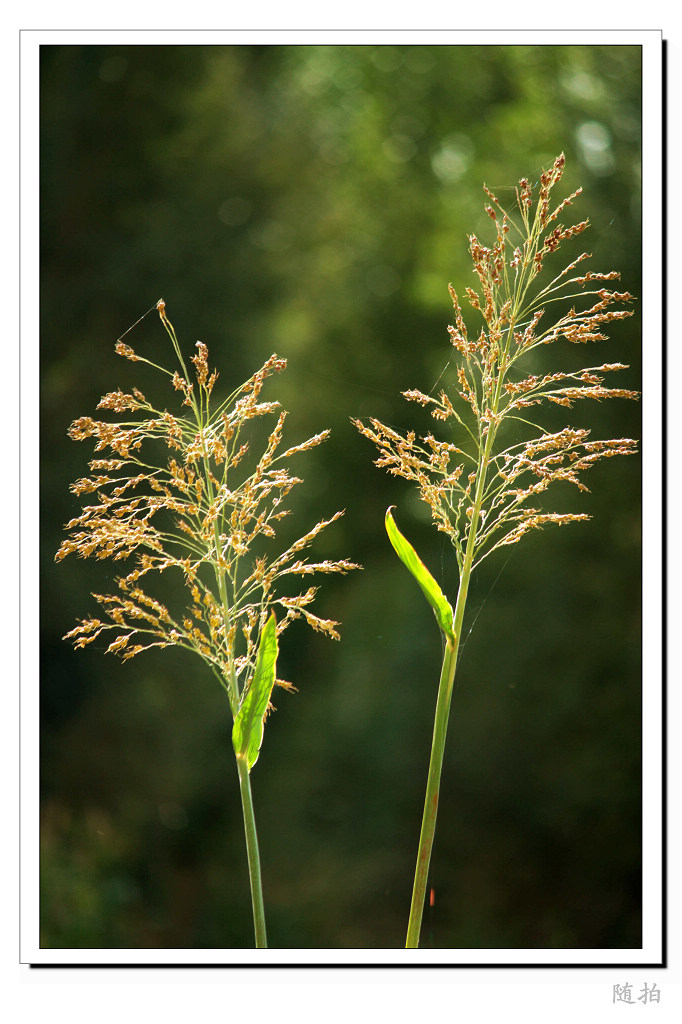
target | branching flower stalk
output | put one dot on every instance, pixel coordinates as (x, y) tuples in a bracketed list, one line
[(180, 494), (482, 490)]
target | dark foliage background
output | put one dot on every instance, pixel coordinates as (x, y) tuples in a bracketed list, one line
[(315, 201)]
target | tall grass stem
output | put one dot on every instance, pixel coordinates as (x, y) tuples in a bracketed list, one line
[(428, 828), (253, 855)]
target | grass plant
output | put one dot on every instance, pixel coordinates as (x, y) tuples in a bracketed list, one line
[(183, 494), (485, 491)]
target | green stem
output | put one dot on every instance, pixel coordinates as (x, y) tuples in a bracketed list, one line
[(252, 854), (440, 724), (431, 800)]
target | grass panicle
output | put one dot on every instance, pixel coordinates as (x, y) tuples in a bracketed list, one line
[(476, 487), (215, 516)]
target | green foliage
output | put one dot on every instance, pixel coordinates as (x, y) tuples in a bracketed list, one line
[(247, 731), (432, 592)]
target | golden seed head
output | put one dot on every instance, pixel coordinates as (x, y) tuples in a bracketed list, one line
[(492, 387), (199, 511)]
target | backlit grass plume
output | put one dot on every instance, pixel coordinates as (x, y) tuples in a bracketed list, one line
[(482, 490), (183, 494)]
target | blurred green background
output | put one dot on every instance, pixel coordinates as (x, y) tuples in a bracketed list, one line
[(315, 201)]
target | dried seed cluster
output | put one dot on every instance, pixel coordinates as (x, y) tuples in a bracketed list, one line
[(478, 493), (171, 492)]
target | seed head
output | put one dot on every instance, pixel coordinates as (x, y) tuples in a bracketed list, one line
[(490, 502), (182, 493)]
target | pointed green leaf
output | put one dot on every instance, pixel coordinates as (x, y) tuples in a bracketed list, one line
[(247, 731), (432, 592)]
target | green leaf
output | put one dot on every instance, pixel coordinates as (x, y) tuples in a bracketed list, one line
[(247, 731), (432, 592)]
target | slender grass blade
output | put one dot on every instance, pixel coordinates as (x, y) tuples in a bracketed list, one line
[(432, 592), (247, 731)]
